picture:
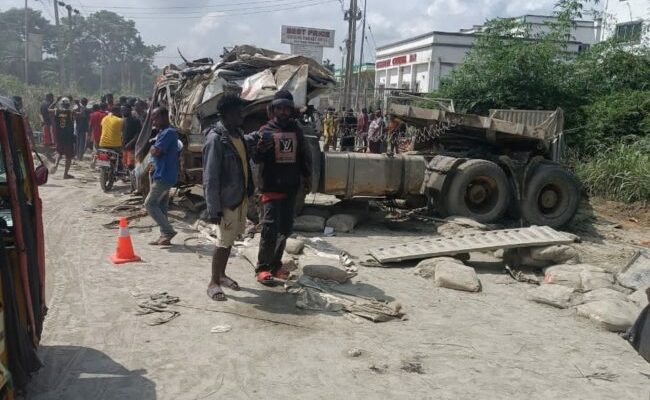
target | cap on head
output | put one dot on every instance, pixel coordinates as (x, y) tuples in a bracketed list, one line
[(282, 98), (65, 101)]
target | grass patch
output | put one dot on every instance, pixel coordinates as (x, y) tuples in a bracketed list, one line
[(620, 172)]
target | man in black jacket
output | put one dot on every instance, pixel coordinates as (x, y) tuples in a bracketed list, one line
[(283, 164), (227, 185)]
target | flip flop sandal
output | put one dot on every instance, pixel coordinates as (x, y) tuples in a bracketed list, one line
[(230, 283), (265, 277), (156, 242), (281, 273), (216, 293)]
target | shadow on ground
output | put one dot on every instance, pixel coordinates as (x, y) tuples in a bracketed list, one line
[(75, 372)]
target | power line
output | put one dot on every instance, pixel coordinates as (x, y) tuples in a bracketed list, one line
[(221, 15), (372, 35), (277, 3), (104, 7)]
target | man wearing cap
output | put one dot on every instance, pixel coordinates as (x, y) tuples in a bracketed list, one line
[(283, 164), (227, 185)]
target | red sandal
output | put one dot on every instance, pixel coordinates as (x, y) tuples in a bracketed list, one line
[(264, 277), (281, 273)]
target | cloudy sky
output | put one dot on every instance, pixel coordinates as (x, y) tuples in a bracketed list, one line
[(203, 27)]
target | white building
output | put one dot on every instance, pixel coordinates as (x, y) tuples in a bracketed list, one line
[(418, 64), (628, 20)]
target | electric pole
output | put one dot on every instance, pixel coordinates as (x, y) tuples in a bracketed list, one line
[(352, 16), (363, 39), (58, 44), (26, 45)]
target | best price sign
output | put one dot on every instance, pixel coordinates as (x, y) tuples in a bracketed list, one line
[(307, 36)]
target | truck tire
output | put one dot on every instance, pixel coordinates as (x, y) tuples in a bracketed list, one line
[(552, 197), (479, 190)]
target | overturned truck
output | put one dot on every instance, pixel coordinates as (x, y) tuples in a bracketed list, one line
[(459, 164)]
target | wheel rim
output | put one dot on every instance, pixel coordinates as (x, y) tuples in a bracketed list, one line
[(550, 200), (481, 194)]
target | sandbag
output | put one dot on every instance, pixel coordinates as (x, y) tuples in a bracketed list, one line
[(639, 298), (343, 222), (603, 294), (639, 334), (553, 295), (637, 274), (556, 254), (426, 268), (570, 275), (294, 246), (590, 280), (456, 276), (613, 315), (321, 268), (309, 223)]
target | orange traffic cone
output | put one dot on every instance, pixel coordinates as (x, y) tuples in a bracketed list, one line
[(124, 251)]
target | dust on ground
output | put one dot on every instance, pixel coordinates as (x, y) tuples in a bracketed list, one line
[(492, 344)]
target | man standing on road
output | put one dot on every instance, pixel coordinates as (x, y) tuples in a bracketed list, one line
[(65, 136), (82, 118), (363, 123), (227, 185), (46, 120), (376, 133), (164, 154), (130, 131), (283, 162)]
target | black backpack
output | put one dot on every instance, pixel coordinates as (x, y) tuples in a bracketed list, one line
[(639, 334)]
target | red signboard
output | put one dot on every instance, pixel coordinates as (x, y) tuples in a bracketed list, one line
[(399, 60)]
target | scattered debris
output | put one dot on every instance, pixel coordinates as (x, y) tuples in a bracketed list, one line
[(480, 241), (605, 376), (354, 352), (613, 315), (376, 311), (413, 367), (542, 256), (381, 369), (157, 303), (456, 276), (221, 329), (636, 274), (553, 295), (522, 277), (315, 300), (328, 231)]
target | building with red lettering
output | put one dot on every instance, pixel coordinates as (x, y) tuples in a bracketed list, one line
[(419, 64)]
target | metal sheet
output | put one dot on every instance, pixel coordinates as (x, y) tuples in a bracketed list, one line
[(480, 241)]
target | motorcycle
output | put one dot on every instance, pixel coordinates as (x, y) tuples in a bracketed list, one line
[(109, 164)]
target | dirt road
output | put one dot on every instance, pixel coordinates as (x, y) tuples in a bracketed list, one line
[(494, 344)]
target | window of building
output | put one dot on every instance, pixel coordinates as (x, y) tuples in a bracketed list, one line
[(629, 32)]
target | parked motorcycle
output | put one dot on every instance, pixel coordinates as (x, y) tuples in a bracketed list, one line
[(109, 163)]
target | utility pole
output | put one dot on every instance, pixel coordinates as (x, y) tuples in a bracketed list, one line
[(26, 45), (58, 44), (363, 39), (352, 16)]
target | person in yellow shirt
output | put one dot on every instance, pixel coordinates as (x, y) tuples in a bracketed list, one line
[(329, 129), (112, 130)]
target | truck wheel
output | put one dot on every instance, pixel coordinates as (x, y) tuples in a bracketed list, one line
[(479, 190), (552, 197)]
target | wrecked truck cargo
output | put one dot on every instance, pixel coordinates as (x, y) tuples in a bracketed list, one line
[(472, 166)]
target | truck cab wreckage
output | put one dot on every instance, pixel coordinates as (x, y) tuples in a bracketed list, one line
[(459, 164)]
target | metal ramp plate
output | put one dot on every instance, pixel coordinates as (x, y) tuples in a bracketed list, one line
[(479, 241)]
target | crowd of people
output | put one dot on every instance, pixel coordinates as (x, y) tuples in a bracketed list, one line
[(73, 127), (367, 131)]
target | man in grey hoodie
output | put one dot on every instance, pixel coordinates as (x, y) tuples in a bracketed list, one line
[(227, 184)]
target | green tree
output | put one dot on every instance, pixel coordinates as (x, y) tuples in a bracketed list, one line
[(12, 41)]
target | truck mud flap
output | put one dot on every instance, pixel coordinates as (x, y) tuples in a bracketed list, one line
[(436, 181)]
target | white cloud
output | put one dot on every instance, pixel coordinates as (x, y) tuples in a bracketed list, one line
[(208, 23)]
